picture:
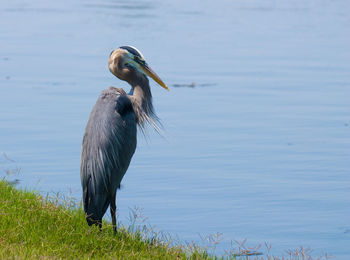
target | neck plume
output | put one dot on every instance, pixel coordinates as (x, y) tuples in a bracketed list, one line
[(141, 99)]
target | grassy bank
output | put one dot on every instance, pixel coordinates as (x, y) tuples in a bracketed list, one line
[(32, 227), (35, 227)]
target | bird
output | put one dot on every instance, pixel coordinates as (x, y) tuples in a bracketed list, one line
[(110, 137)]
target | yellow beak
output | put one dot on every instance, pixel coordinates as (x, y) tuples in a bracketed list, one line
[(146, 69)]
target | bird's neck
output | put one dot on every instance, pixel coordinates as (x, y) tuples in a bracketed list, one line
[(142, 92), (141, 98)]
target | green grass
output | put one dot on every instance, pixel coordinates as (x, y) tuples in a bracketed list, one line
[(33, 227)]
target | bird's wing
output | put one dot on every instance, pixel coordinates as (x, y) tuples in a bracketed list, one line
[(108, 145)]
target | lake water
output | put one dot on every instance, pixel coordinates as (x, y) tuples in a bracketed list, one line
[(259, 148)]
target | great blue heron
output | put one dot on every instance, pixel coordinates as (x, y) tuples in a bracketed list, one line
[(110, 136)]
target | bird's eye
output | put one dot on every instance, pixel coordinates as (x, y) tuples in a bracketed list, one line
[(139, 60)]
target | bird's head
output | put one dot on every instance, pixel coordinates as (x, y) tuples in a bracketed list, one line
[(125, 61)]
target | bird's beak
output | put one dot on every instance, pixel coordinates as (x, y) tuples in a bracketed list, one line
[(146, 69)]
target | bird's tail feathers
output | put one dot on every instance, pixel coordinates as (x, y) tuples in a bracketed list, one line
[(95, 205)]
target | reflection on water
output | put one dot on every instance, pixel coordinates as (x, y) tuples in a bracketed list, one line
[(257, 121), (193, 85), (117, 5)]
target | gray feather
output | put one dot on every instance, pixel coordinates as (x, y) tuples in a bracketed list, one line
[(108, 145)]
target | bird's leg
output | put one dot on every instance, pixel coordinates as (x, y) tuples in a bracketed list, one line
[(100, 226), (113, 212)]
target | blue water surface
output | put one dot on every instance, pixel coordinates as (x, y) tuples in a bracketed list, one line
[(257, 122)]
